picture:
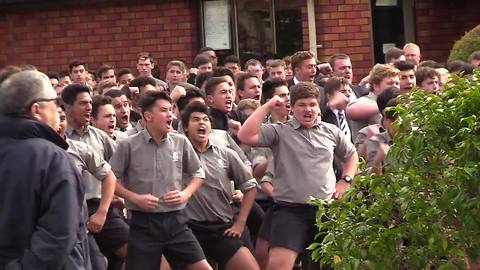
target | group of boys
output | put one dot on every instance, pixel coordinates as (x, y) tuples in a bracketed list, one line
[(212, 163)]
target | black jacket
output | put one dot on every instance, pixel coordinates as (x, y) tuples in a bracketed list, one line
[(41, 199)]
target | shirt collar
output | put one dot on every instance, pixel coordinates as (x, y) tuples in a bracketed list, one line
[(70, 130), (147, 137), (372, 96), (296, 124), (209, 147), (295, 80)]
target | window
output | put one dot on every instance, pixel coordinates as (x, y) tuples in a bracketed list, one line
[(256, 27)]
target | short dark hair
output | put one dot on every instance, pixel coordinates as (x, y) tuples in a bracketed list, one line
[(232, 59), (430, 63), (97, 102), (142, 81), (189, 95), (126, 91), (53, 75), (114, 93), (278, 63), (242, 77), (145, 56), (71, 91), (76, 63), (269, 86), (336, 57), (252, 62), (393, 53), (299, 57), (456, 66), (333, 84), (64, 73), (205, 49), (212, 83), (390, 114), (148, 99), (201, 59), (222, 71), (404, 65), (102, 69), (123, 71), (424, 73), (385, 96), (202, 77), (304, 90), (107, 84), (194, 107)]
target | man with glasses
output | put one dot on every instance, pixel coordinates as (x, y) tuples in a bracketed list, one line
[(41, 225)]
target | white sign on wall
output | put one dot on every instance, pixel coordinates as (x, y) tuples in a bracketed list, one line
[(216, 19)]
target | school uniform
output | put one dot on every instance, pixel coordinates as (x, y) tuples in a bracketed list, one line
[(303, 168), (145, 167), (210, 210)]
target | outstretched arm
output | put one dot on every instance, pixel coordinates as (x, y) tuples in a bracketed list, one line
[(248, 133)]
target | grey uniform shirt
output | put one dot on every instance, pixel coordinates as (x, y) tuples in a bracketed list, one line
[(119, 135), (87, 161), (303, 158), (222, 138), (212, 200), (146, 167), (373, 145), (102, 145), (136, 129), (356, 126)]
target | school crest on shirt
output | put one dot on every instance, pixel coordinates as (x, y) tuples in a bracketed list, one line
[(175, 156)]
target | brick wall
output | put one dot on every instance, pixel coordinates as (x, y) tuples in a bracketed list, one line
[(440, 22), (344, 26), (49, 36)]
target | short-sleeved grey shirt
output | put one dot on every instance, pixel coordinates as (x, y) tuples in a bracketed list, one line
[(303, 158), (136, 129), (356, 126), (119, 135), (87, 161), (212, 200), (374, 144), (146, 167), (102, 145)]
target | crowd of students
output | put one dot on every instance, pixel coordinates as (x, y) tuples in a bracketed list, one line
[(214, 166)]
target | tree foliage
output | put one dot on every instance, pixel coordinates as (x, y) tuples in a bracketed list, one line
[(424, 212), (465, 46)]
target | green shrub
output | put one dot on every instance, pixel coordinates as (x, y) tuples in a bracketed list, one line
[(424, 212), (463, 47)]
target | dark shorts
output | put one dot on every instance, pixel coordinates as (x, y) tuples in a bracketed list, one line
[(114, 233), (154, 234), (216, 245), (293, 226), (265, 229)]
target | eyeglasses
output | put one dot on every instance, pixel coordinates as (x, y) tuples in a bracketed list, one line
[(58, 101)]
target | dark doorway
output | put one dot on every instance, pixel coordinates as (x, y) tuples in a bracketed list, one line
[(288, 17), (388, 26)]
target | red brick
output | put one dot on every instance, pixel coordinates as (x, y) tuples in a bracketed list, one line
[(354, 43), (361, 7), (345, 8), (352, 28), (338, 29), (347, 36), (328, 37)]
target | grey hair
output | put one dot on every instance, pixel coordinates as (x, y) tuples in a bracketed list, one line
[(20, 90)]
